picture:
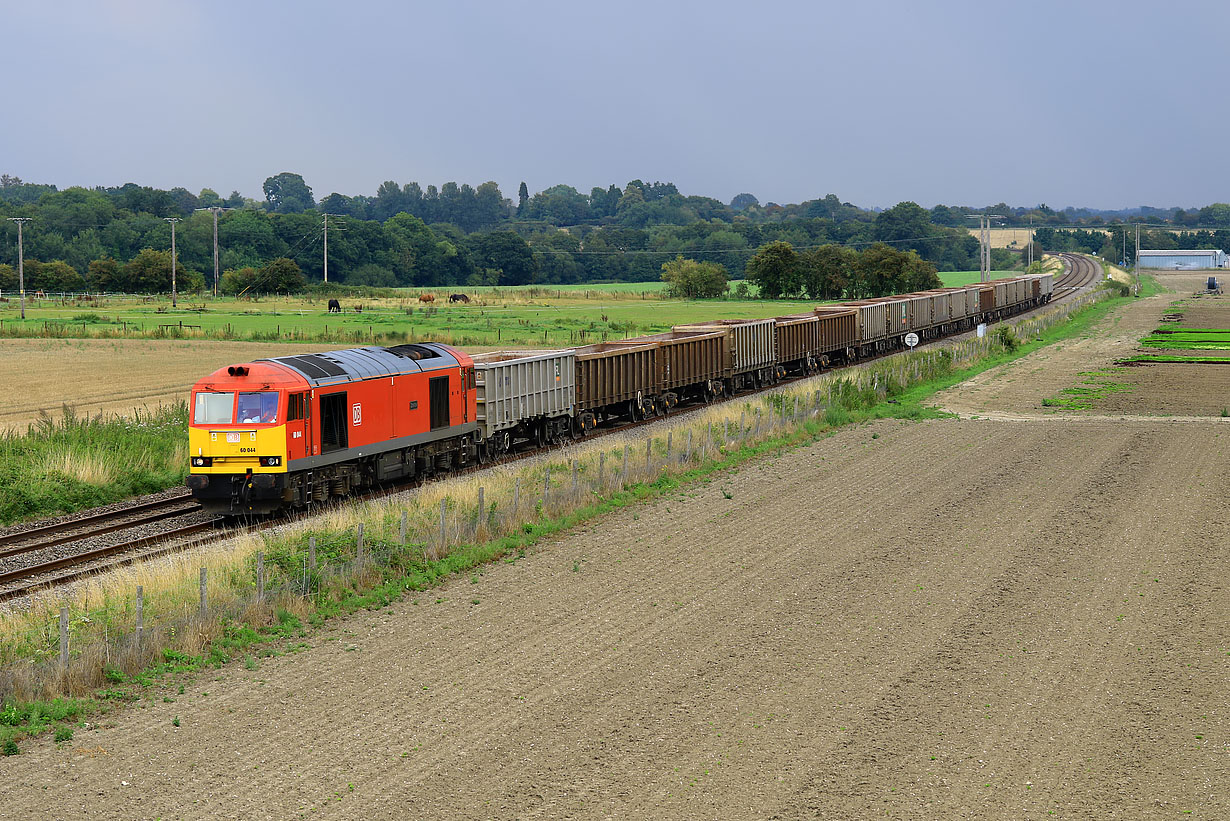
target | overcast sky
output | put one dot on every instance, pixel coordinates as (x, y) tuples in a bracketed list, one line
[(1100, 104)]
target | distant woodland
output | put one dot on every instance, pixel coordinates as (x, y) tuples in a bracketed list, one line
[(404, 235)]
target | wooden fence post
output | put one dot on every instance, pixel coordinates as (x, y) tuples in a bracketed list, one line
[(648, 453), (670, 434), (573, 463), (358, 544), (481, 512), (516, 496), (64, 635), (546, 488), (624, 478), (401, 533), (204, 602), (687, 453), (443, 522), (140, 615), (260, 576), (601, 470), (311, 553)]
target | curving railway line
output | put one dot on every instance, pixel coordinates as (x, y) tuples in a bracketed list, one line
[(50, 555)]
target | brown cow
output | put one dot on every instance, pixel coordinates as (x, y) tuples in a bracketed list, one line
[(425, 298)]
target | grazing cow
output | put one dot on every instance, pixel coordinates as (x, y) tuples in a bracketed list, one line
[(426, 298), (335, 307), (459, 298)]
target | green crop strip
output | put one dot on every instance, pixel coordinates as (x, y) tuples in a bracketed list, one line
[(1191, 339), (1097, 385), (1180, 360)]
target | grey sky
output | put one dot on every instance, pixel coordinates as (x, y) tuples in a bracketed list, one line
[(1105, 104)]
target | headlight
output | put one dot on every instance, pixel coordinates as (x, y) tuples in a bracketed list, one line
[(271, 461), (202, 461)]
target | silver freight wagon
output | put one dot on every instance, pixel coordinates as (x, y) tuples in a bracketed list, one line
[(524, 395), (922, 312), (752, 347), (872, 323)]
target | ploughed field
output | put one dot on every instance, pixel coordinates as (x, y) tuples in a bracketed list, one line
[(1015, 617), (959, 618), (1094, 376)]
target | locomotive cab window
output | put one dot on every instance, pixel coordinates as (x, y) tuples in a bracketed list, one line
[(214, 408), (297, 407), (259, 407)]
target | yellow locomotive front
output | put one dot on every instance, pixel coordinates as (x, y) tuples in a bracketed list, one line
[(237, 440)]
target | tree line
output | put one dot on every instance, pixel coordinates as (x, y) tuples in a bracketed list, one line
[(407, 235)]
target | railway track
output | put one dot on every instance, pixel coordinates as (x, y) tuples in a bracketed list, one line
[(98, 524), (1079, 273)]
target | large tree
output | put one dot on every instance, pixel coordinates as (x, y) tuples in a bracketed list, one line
[(776, 271), (827, 271), (694, 280), (507, 253), (287, 193)]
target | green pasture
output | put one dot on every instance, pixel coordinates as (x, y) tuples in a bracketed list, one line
[(524, 316), (957, 279), (509, 318)]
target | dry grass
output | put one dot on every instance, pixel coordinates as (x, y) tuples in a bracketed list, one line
[(91, 468), (109, 375)]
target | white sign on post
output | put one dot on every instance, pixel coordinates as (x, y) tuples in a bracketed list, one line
[(982, 329), (911, 339)]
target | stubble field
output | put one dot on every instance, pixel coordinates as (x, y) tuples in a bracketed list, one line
[(1022, 617), (110, 376)]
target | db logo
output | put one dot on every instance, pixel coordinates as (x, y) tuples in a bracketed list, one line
[(356, 412)]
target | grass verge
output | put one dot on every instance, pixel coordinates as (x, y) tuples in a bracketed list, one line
[(71, 463)]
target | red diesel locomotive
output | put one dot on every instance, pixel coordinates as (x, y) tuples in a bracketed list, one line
[(294, 430)]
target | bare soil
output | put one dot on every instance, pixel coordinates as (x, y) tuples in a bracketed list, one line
[(110, 375), (1023, 618), (948, 619), (1018, 390)]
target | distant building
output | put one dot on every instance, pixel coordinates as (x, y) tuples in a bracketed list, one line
[(1182, 260)]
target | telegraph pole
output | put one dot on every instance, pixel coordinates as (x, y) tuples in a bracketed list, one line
[(326, 216), (984, 242), (172, 220), (215, 210), (1137, 259), (1031, 243), (21, 262)]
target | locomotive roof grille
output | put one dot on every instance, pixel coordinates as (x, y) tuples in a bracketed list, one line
[(353, 364)]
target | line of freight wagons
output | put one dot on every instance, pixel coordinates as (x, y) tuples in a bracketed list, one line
[(294, 430)]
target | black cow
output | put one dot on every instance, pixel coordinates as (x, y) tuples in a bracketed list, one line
[(459, 298), (335, 307)]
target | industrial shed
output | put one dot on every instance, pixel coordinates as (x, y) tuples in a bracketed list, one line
[(1182, 260)]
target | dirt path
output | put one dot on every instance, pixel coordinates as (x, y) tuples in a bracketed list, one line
[(1032, 619)]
